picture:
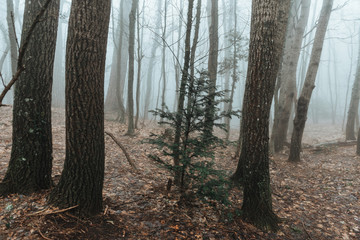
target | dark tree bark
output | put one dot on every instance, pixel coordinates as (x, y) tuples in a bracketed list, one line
[(81, 181), (267, 36), (30, 164), (309, 84), (354, 105), (212, 69)]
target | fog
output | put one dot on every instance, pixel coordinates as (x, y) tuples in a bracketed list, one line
[(334, 79)]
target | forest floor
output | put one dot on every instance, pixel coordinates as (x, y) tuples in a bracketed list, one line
[(318, 198)]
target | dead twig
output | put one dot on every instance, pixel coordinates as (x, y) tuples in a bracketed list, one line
[(43, 212), (307, 233), (131, 162)]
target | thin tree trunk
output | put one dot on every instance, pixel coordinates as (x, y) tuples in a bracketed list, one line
[(288, 74), (140, 38), (309, 84), (212, 69), (354, 104), (130, 103), (163, 66), (12, 35), (149, 76), (182, 92)]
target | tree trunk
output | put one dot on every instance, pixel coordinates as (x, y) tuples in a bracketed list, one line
[(309, 84), (114, 98), (149, 76), (267, 36), (140, 38), (354, 104), (163, 57), (130, 102), (182, 92), (295, 33), (212, 69), (81, 181), (31, 154), (12, 35)]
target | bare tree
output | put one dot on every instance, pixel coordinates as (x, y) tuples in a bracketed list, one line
[(287, 75), (354, 104), (309, 84), (130, 102)]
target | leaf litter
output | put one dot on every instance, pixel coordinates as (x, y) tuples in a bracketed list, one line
[(318, 198)]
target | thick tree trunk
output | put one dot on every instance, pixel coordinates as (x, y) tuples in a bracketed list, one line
[(130, 102), (309, 84), (30, 164), (267, 36), (354, 104), (81, 181), (212, 69), (287, 75)]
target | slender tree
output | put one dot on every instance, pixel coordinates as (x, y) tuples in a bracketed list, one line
[(10, 19), (182, 92), (30, 164), (114, 100), (309, 84), (287, 75), (267, 36), (354, 104), (212, 68), (130, 102), (81, 181)]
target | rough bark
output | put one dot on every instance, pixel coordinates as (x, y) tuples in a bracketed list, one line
[(354, 104), (30, 164), (309, 84), (130, 102), (287, 74), (267, 36), (81, 181)]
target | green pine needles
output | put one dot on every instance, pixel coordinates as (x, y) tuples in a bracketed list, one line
[(195, 169)]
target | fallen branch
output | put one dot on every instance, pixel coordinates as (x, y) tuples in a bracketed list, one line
[(131, 162), (321, 146), (20, 65), (43, 212)]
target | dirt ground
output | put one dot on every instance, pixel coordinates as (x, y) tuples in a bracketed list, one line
[(318, 198)]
